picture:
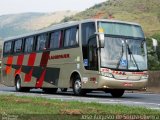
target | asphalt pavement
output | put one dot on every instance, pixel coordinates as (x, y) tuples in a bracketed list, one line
[(148, 100)]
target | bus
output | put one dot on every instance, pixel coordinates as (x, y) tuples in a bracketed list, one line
[(86, 55)]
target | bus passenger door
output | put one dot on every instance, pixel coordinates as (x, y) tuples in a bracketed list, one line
[(92, 54)]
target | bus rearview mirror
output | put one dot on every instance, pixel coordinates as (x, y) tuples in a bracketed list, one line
[(155, 43), (101, 40)]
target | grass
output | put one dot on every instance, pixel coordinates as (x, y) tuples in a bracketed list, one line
[(40, 108)]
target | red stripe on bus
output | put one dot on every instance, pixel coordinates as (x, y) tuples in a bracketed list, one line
[(31, 61), (39, 82), (44, 59), (19, 62), (20, 59), (17, 72), (9, 65), (43, 63), (28, 76)]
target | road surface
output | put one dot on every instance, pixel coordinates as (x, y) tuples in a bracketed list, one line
[(151, 101)]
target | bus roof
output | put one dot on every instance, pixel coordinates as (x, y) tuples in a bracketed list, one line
[(66, 24)]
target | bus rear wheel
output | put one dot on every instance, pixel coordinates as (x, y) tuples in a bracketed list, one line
[(117, 93), (77, 87), (18, 86)]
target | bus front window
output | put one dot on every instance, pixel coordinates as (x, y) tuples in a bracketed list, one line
[(120, 53), (124, 51)]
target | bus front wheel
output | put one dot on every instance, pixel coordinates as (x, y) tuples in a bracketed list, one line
[(77, 87), (117, 93), (18, 86)]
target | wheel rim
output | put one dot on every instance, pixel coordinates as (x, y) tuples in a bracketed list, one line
[(18, 84), (77, 86)]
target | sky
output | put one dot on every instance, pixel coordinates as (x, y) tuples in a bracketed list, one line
[(23, 6)]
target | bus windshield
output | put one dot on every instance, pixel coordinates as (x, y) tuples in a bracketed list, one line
[(121, 29), (124, 50)]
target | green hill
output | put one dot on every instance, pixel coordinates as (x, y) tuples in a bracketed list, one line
[(145, 12)]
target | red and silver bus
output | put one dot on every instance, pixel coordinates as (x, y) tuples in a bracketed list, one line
[(93, 54)]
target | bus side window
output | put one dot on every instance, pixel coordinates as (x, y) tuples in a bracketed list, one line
[(71, 37), (41, 42), (29, 44), (18, 46), (7, 48), (88, 29), (55, 38)]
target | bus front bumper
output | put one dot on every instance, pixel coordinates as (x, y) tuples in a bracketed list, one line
[(111, 83)]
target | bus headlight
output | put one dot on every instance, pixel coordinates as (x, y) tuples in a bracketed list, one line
[(107, 74), (144, 77)]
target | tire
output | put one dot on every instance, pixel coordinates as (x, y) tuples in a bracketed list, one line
[(18, 86), (117, 93), (63, 89), (77, 87), (50, 90)]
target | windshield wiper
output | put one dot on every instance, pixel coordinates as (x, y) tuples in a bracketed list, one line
[(131, 55), (120, 57)]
